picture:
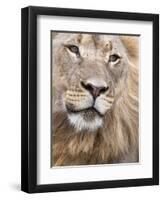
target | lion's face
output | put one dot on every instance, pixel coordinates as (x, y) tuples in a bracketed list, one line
[(89, 75)]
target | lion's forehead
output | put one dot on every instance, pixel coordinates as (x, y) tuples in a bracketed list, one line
[(98, 40)]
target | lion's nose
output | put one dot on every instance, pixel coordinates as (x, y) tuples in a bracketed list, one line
[(94, 90)]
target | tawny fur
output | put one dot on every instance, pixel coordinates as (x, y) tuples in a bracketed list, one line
[(117, 140)]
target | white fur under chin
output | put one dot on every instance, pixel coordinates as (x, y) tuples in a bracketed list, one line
[(77, 121)]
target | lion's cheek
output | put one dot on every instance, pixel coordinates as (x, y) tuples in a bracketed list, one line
[(102, 105), (76, 102)]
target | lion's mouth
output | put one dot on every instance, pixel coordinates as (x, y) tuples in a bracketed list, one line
[(91, 111)]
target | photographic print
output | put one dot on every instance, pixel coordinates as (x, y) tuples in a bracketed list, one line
[(95, 98), (90, 99)]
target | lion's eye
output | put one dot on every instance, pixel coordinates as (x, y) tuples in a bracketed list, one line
[(114, 58), (73, 49)]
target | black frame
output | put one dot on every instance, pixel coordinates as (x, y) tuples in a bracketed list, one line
[(29, 98)]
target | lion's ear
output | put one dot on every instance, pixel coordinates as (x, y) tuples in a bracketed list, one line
[(132, 45)]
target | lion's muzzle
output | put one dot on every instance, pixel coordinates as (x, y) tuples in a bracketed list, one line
[(93, 93)]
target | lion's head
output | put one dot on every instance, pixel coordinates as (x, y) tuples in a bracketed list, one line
[(94, 80)]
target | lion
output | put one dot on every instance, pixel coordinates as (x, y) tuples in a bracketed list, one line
[(95, 96)]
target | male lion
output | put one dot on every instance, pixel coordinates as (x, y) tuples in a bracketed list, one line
[(94, 99)]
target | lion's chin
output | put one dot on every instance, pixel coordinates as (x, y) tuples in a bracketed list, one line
[(88, 120)]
